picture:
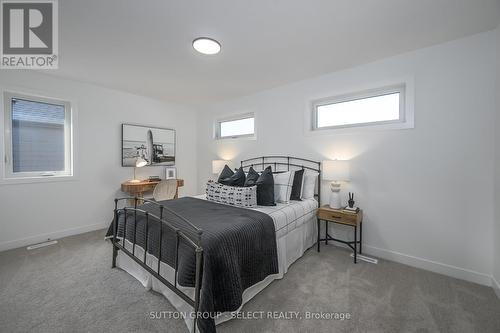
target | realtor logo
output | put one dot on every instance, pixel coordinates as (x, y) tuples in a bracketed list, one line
[(29, 37)]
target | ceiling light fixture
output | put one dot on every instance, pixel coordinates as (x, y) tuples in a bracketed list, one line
[(206, 45)]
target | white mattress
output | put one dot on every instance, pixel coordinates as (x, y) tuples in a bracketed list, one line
[(295, 225)]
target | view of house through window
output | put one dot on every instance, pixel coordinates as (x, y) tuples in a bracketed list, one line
[(37, 136), (39, 143)]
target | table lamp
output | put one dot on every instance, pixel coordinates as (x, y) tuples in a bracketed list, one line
[(139, 163), (335, 171)]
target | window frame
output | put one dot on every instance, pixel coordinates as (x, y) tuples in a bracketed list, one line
[(219, 121), (387, 90), (9, 175)]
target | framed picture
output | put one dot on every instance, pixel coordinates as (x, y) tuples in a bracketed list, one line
[(170, 173), (154, 145)]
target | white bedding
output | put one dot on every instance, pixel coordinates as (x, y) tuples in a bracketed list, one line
[(296, 230), (288, 217)]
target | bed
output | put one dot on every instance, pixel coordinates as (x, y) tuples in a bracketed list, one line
[(201, 243)]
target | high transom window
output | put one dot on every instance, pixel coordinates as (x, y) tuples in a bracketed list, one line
[(380, 106), (236, 127)]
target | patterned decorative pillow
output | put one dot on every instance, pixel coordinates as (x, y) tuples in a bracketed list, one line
[(283, 186), (232, 195)]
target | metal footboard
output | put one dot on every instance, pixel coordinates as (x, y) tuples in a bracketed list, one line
[(191, 236)]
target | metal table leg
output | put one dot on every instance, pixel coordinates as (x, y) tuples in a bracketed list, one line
[(355, 244), (319, 236), (360, 237), (326, 233)]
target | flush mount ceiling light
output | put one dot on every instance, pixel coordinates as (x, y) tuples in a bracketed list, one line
[(206, 45)]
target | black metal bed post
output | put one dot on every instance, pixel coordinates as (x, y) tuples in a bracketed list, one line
[(197, 284), (159, 247), (135, 225), (124, 226), (115, 231), (161, 237), (176, 263), (146, 237)]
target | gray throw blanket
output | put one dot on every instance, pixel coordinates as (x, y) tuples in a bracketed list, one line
[(239, 247)]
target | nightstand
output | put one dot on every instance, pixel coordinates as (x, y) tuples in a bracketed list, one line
[(355, 220)]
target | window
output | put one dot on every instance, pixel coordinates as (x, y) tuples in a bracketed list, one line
[(376, 107), (236, 127), (38, 137)]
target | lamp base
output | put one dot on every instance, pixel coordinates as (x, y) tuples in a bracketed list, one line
[(135, 180), (335, 201)]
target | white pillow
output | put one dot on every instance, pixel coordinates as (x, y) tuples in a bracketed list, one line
[(310, 178), (283, 186)]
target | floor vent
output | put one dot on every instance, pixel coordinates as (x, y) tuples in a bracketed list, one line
[(367, 259), (37, 246)]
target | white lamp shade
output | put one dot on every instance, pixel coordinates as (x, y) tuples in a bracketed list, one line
[(336, 170), (140, 162), (218, 165)]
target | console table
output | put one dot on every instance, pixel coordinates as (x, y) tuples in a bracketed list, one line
[(137, 189)]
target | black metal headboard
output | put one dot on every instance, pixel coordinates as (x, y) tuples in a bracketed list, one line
[(283, 164)]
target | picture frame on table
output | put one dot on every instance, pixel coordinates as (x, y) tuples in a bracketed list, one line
[(170, 173)]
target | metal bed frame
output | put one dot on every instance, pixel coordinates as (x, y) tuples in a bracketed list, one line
[(191, 237), (169, 226), (285, 161)]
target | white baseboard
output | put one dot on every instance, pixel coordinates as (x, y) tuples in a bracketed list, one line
[(433, 266), (496, 286), (49, 236)]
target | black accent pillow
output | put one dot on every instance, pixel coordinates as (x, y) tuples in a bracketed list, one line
[(252, 177), (265, 188), (237, 179), (225, 173), (297, 185)]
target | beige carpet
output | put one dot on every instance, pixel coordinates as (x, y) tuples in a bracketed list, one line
[(70, 287)]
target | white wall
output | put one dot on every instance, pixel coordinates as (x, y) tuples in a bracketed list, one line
[(496, 234), (32, 213), (427, 192)]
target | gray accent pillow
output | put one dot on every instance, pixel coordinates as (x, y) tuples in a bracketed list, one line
[(237, 179), (225, 173), (298, 183)]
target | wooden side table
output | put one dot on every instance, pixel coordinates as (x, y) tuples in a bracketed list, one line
[(139, 188), (327, 214)]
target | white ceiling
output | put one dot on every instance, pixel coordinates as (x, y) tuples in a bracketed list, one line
[(144, 47)]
